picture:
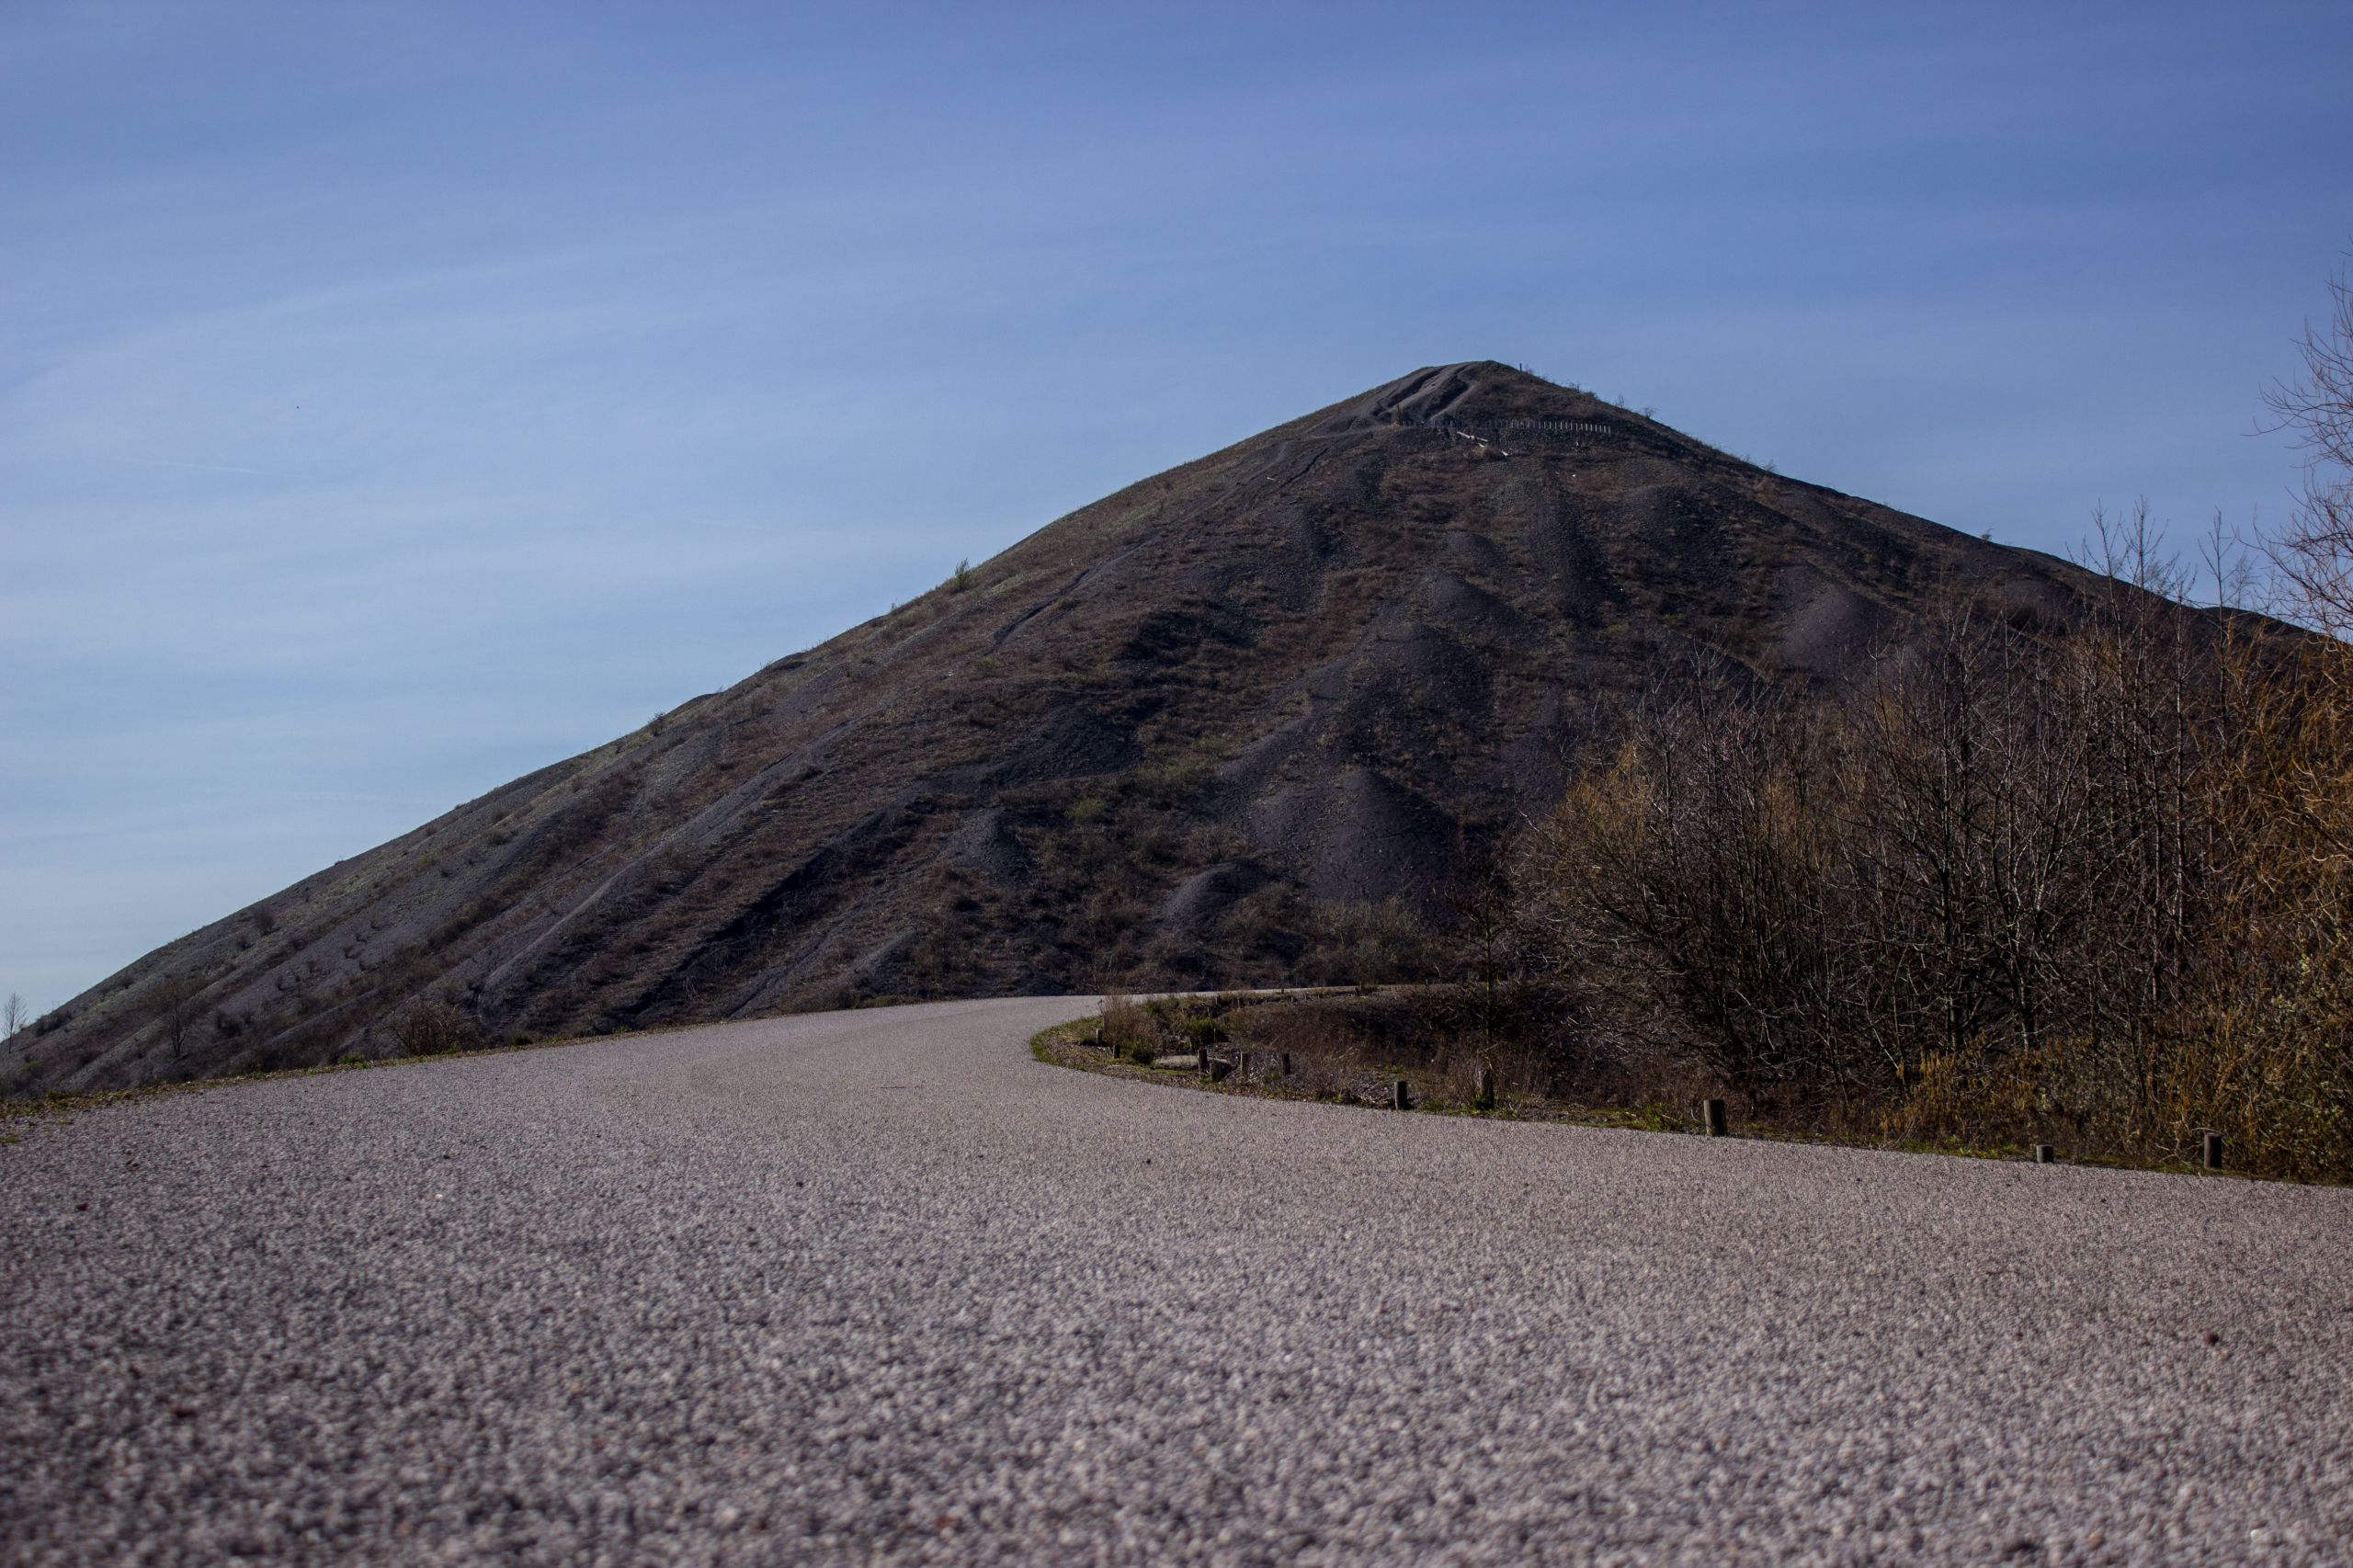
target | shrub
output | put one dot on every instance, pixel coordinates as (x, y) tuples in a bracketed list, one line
[(1174, 783), (2089, 890), (1125, 1026), (1203, 1033), (433, 1028)]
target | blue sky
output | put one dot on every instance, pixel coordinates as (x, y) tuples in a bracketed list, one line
[(397, 397)]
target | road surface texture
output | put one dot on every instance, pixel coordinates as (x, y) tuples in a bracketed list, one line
[(877, 1286)]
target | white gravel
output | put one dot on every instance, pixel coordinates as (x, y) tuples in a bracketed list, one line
[(878, 1286)]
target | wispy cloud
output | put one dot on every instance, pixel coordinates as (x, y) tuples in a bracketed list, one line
[(199, 468)]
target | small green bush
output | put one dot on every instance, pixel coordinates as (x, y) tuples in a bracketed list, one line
[(1203, 1033)]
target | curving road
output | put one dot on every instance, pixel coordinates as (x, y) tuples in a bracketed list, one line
[(877, 1286)]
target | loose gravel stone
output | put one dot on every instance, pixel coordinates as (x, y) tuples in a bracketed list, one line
[(877, 1286)]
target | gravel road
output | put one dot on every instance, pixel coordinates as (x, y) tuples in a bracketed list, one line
[(877, 1286)]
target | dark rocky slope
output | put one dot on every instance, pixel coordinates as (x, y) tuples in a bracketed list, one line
[(1158, 741)]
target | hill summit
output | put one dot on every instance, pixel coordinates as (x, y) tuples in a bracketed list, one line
[(1175, 738)]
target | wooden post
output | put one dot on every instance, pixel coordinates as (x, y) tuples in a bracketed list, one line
[(1404, 1096), (2210, 1151), (1486, 1087), (1286, 1063), (2045, 1154), (1711, 1113)]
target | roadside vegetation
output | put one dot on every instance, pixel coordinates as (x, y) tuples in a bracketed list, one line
[(2085, 883), (1348, 1046), (2090, 893), (2093, 892)]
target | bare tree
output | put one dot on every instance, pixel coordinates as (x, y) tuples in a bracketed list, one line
[(14, 1020), (2314, 552), (1487, 930), (1690, 886), (179, 1010)]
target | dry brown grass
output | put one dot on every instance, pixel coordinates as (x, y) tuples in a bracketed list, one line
[(1125, 1028)]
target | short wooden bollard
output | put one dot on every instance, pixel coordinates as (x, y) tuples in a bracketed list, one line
[(2045, 1154), (1711, 1113), (1286, 1063), (1404, 1097), (1487, 1089), (2210, 1151)]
